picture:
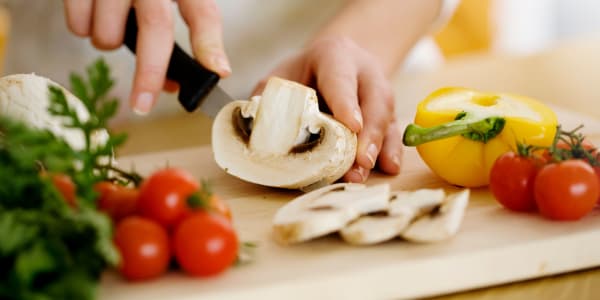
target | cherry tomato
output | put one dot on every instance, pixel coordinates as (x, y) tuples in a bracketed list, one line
[(115, 200), (205, 244), (213, 204), (66, 187), (144, 248), (566, 190), (511, 181), (163, 196)]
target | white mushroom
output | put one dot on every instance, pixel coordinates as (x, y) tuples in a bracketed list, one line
[(404, 207), (440, 224), (25, 98), (281, 139), (327, 210)]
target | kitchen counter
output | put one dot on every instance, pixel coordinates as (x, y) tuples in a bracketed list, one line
[(564, 77)]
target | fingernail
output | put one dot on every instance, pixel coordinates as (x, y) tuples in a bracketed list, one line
[(221, 64), (372, 153), (143, 103), (396, 160), (358, 117)]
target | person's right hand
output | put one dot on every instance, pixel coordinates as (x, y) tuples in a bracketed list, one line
[(104, 21)]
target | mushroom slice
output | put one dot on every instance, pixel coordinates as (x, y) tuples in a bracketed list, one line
[(441, 223), (404, 207), (25, 98), (281, 139), (327, 210)]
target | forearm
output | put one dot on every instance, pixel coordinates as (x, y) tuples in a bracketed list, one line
[(386, 28)]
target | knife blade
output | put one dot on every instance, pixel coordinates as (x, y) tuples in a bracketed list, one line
[(197, 85)]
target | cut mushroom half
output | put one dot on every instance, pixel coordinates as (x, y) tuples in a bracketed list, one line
[(382, 226), (281, 139), (327, 210), (441, 223)]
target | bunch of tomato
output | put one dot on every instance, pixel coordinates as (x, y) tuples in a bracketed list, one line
[(562, 181), (170, 216)]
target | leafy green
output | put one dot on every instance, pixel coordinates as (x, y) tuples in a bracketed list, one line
[(48, 249)]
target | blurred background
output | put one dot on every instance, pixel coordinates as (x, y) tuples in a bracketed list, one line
[(496, 45), (258, 36)]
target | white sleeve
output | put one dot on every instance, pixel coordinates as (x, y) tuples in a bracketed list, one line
[(447, 9)]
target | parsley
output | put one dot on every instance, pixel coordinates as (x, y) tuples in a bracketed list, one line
[(50, 250)]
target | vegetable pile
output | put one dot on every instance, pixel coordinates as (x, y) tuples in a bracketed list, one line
[(562, 181), (58, 203)]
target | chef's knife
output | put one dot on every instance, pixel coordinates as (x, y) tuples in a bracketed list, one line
[(197, 85)]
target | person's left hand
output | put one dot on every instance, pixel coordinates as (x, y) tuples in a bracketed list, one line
[(355, 88)]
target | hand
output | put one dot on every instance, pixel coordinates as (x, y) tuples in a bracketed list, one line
[(104, 21), (354, 86)]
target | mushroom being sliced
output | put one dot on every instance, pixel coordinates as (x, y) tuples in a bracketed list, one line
[(404, 207), (25, 98), (281, 139), (327, 210), (440, 224)]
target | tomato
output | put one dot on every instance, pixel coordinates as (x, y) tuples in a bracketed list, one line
[(566, 190), (511, 181), (205, 244), (211, 202), (115, 200), (66, 187), (144, 248), (164, 194)]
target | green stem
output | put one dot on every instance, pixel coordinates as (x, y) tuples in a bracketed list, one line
[(466, 124)]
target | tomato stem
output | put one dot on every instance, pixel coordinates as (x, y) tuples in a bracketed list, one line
[(466, 124)]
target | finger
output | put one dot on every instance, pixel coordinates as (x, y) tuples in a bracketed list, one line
[(390, 158), (337, 82), (206, 37), (108, 25), (356, 174), (154, 47), (79, 16), (377, 106)]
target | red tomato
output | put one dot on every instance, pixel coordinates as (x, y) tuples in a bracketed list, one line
[(163, 196), (144, 248), (115, 200), (567, 190), (511, 181), (205, 244), (66, 187), (214, 204)]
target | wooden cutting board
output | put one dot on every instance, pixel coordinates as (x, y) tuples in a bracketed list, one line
[(494, 246)]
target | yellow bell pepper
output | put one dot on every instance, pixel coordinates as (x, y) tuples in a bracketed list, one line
[(459, 133)]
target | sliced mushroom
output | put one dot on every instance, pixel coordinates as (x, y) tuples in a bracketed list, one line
[(404, 207), (281, 139), (327, 210), (440, 224), (25, 98)]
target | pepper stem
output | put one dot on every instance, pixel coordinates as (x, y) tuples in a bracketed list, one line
[(465, 124)]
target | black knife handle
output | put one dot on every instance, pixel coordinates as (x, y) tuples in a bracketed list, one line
[(195, 81)]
